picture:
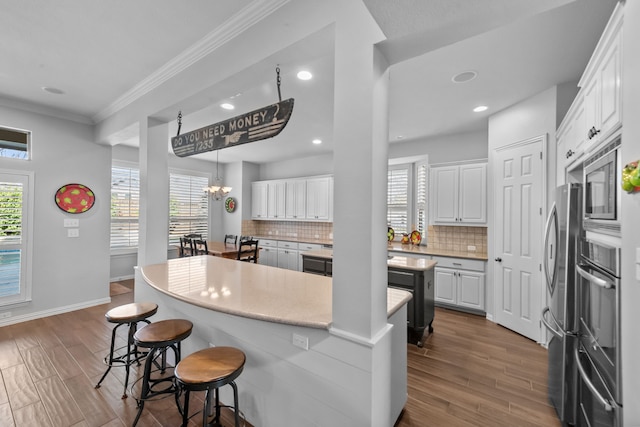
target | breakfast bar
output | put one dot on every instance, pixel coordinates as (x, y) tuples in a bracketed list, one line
[(298, 370)]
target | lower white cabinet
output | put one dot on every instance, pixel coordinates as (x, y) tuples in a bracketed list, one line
[(460, 283), (268, 252)]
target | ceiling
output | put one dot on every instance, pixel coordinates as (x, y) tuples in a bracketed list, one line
[(101, 54)]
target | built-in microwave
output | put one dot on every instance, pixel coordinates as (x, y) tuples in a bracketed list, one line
[(602, 192)]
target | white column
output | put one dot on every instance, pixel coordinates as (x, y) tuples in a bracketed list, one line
[(154, 192)]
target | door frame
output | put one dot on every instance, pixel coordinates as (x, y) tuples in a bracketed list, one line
[(544, 140)]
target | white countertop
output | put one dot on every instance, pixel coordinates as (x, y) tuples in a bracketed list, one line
[(408, 263), (252, 290)]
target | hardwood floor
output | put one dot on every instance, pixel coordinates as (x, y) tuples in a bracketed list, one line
[(470, 372)]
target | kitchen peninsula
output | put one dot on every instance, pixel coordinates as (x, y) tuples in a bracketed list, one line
[(297, 370)]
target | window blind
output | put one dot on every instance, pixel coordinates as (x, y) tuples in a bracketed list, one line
[(421, 198), (14, 143), (125, 207), (188, 206), (398, 199)]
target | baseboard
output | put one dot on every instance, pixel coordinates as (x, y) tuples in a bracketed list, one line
[(52, 312), (117, 279)]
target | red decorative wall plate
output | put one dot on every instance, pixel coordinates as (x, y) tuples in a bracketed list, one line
[(75, 198)]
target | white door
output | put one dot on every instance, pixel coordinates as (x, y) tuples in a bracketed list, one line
[(518, 175)]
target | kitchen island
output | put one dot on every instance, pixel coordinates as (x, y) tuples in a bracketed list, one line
[(298, 371), (413, 275)]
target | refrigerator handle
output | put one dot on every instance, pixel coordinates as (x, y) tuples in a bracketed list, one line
[(552, 329), (583, 375), (552, 219)]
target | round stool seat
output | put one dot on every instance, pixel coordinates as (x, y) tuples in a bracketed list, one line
[(131, 312), (211, 367), (163, 333)]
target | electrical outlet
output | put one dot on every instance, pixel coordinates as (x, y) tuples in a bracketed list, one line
[(5, 315), (471, 248), (73, 232), (301, 341)]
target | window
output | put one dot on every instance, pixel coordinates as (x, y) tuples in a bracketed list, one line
[(125, 207), (188, 206), (14, 143), (14, 215), (407, 197)]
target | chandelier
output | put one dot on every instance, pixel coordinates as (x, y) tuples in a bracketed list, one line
[(218, 190)]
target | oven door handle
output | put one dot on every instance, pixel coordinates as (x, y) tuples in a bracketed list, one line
[(593, 279), (607, 406), (550, 327)]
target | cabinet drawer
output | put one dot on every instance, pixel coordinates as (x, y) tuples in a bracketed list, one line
[(459, 263), (287, 245), (400, 278), (268, 243), (309, 246)]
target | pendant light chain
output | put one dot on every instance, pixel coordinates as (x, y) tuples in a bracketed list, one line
[(179, 122), (278, 81)]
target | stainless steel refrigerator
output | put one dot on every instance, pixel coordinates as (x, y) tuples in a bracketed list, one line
[(561, 252)]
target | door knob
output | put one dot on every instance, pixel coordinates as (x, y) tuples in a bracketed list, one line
[(499, 259)]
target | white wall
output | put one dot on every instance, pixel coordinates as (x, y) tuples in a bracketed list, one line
[(68, 273), (444, 148), (308, 166), (630, 292)]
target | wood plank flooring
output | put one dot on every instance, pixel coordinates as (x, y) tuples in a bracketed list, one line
[(470, 372)]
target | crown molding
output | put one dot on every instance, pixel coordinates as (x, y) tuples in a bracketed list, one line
[(231, 28)]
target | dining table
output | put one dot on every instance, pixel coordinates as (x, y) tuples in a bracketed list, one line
[(222, 249)]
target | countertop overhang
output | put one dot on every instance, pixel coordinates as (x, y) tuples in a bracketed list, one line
[(402, 262), (252, 290)]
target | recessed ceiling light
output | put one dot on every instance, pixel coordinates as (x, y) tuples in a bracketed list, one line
[(480, 108), (304, 75), (227, 106), (465, 76), (53, 90), (317, 141)]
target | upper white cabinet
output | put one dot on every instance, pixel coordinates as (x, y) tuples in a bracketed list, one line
[(276, 199), (460, 194), (259, 198), (319, 199), (299, 199), (597, 110), (296, 199)]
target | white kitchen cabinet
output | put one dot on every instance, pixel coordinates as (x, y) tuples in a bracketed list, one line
[(268, 254), (259, 197), (460, 283), (295, 199), (288, 255), (460, 194), (276, 199), (319, 199), (600, 86)]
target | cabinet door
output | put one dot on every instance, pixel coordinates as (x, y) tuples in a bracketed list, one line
[(610, 104), (295, 199), (591, 114), (472, 206), (288, 258), (319, 199), (259, 200), (268, 256), (445, 186), (470, 289), (275, 199), (445, 285)]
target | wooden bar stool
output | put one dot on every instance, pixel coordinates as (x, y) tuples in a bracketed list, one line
[(128, 314), (210, 369), (159, 337)]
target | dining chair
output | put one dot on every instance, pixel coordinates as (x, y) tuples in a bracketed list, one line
[(193, 236), (231, 238), (248, 251), (245, 238), (200, 247), (186, 247)]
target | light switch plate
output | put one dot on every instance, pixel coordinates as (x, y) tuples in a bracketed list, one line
[(301, 341), (71, 222)]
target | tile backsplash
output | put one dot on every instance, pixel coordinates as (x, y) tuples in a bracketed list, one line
[(456, 238), (298, 229)]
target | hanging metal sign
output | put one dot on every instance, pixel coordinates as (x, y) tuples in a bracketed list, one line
[(259, 124)]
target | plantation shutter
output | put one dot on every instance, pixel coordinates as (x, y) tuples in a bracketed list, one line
[(421, 198), (398, 199), (125, 207), (188, 206)]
